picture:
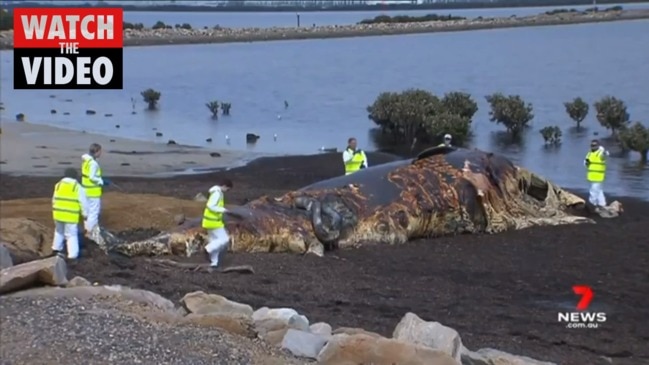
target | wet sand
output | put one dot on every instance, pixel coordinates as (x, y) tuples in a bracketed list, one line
[(501, 291), (40, 150), (150, 37)]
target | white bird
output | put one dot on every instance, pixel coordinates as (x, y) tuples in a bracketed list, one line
[(275, 137), (227, 139), (279, 117)]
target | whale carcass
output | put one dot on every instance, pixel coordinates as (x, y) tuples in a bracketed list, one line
[(443, 191)]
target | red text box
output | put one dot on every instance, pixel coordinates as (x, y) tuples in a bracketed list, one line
[(49, 27)]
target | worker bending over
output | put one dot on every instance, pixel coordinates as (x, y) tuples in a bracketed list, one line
[(218, 237), (68, 205), (93, 182), (353, 157), (595, 163)]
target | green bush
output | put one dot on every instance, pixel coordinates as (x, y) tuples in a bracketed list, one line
[(510, 111)]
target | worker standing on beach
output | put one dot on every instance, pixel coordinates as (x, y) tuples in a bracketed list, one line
[(93, 182), (595, 163), (353, 157), (213, 221), (68, 204), (447, 141)]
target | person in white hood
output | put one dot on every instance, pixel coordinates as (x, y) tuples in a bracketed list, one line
[(93, 182), (68, 205), (213, 221)]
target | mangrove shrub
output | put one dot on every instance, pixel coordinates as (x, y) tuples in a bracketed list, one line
[(551, 134), (417, 114), (636, 138), (612, 113), (151, 97), (577, 110), (511, 111), (213, 106)]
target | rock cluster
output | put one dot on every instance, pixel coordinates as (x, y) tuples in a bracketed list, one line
[(217, 34), (414, 340)]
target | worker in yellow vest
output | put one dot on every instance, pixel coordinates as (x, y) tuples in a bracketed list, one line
[(353, 157), (93, 182), (447, 141), (595, 163), (68, 206), (218, 237)]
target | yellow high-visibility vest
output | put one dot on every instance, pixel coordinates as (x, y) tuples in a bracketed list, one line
[(596, 167), (65, 204), (354, 164), (93, 190), (212, 220)]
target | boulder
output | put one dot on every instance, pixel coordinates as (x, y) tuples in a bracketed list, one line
[(303, 344), (321, 328), (154, 302), (364, 349), (235, 324), (50, 271), (78, 281), (354, 331), (5, 257), (26, 239), (415, 330), (199, 302), (267, 319), (489, 356)]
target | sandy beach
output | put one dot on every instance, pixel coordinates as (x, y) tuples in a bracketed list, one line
[(174, 36), (41, 150)]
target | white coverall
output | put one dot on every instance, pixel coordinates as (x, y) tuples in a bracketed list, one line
[(597, 197), (69, 232), (217, 238), (94, 204)]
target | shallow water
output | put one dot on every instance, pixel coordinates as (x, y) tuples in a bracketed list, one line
[(288, 19), (329, 83)]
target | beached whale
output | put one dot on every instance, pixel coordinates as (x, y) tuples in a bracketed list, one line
[(443, 191)]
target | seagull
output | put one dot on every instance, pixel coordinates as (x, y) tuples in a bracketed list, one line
[(279, 117), (275, 137), (227, 139)]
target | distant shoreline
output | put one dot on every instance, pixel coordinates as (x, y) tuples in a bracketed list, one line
[(352, 8), (157, 37)]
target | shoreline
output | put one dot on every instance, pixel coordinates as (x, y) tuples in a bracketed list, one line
[(158, 37), (39, 150)]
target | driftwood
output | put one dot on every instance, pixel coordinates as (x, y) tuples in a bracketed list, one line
[(241, 269)]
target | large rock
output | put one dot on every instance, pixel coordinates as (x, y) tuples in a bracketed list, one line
[(5, 257), (415, 330), (26, 239), (199, 302), (289, 317), (364, 349), (236, 324), (78, 281), (50, 271), (321, 328), (355, 331), (152, 301), (495, 357), (303, 344)]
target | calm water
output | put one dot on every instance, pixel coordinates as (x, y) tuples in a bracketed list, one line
[(328, 84), (284, 19)]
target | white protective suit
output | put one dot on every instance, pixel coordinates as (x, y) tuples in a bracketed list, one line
[(69, 232), (94, 204), (217, 238)]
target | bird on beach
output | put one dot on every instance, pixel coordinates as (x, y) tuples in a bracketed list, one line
[(275, 137), (227, 139)]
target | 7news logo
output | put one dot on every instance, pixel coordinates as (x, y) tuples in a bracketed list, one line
[(582, 318)]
